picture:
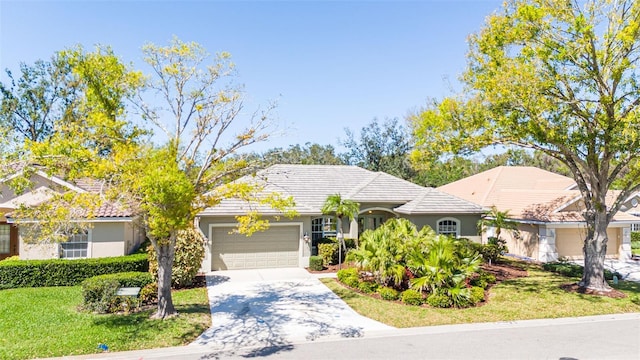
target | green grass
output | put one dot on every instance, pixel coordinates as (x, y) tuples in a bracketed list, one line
[(534, 297), (44, 322)]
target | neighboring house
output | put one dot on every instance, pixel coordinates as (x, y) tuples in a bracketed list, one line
[(548, 208), (288, 242), (111, 233)]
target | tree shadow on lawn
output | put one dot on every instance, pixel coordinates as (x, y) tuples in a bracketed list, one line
[(268, 317), (140, 326)]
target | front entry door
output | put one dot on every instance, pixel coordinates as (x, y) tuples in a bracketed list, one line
[(8, 240)]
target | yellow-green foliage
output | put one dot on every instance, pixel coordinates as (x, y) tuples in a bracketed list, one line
[(189, 255)]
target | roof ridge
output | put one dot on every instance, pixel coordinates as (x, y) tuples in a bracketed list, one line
[(493, 184), (364, 183), (422, 196)]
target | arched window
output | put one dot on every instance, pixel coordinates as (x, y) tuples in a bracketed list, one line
[(449, 226)]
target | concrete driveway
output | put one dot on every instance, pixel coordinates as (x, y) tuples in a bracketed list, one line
[(629, 270), (277, 307)]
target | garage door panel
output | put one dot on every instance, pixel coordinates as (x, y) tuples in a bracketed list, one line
[(275, 247)]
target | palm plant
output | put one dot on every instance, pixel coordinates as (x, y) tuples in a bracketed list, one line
[(335, 204), (499, 220), (383, 251), (444, 266)]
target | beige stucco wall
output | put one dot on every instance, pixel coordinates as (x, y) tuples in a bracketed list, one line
[(107, 239), (524, 242), (468, 223), (569, 242), (38, 251), (133, 237)]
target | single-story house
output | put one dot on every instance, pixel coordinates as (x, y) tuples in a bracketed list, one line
[(112, 230), (548, 209), (288, 242)]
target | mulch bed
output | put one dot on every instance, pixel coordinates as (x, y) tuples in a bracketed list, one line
[(504, 272), (575, 288)]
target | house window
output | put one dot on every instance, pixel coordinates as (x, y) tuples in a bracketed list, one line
[(635, 227), (76, 247), (5, 238), (323, 227), (450, 227)]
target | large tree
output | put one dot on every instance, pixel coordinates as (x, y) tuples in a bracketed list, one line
[(380, 147), (201, 114), (560, 77), (198, 114), (41, 95), (309, 154)]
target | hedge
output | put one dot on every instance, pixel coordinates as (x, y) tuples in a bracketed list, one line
[(61, 272), (99, 292)]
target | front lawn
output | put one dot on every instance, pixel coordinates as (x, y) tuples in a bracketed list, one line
[(534, 297), (44, 322)]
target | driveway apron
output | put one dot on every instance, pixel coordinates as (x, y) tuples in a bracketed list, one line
[(629, 270), (276, 307)]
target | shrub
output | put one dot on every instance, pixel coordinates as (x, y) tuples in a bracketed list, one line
[(349, 272), (483, 279), (565, 268), (188, 259), (352, 282), (11, 258), (492, 251), (635, 237), (62, 272), (387, 293), (99, 292), (149, 294), (329, 253), (411, 297), (439, 300), (367, 287), (126, 279), (477, 294), (315, 263)]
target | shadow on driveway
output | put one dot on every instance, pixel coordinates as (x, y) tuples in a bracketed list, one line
[(269, 316)]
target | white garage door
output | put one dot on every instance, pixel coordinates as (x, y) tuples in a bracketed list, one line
[(276, 247)]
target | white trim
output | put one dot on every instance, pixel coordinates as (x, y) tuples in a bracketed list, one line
[(449, 218), (61, 182), (53, 179), (378, 208), (567, 204), (302, 260)]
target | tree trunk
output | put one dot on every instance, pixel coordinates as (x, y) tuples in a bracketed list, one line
[(166, 253), (595, 249)]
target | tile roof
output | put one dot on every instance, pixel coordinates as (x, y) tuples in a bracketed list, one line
[(528, 193), (44, 193), (310, 185)]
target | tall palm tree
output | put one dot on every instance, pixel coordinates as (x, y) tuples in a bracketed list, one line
[(335, 204)]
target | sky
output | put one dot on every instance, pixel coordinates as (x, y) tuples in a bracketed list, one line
[(330, 65)]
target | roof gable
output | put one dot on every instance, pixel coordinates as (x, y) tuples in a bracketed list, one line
[(45, 187)]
